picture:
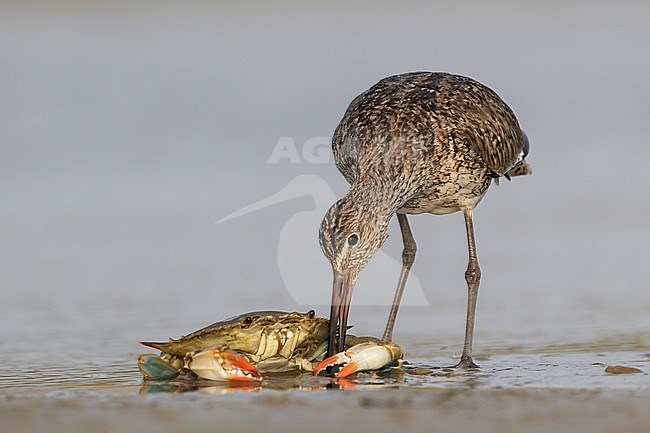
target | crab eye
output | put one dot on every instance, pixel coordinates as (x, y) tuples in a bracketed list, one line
[(311, 314), (353, 239)]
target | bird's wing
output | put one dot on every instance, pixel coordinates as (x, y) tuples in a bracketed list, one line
[(485, 121), (414, 104)]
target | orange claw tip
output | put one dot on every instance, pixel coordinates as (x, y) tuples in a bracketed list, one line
[(349, 369), (332, 360), (242, 363)]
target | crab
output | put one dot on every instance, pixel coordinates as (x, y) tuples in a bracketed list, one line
[(257, 342), (218, 363), (366, 356), (244, 347), (221, 363)]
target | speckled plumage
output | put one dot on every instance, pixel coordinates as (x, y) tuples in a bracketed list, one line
[(420, 142), (442, 137)]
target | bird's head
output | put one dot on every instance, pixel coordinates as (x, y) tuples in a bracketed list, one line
[(350, 234)]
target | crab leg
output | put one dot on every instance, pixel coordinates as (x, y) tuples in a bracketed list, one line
[(221, 364), (363, 357)]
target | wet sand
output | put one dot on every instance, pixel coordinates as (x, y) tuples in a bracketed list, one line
[(511, 392), (485, 410)]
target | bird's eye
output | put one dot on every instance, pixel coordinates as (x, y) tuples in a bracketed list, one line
[(248, 320), (353, 239)]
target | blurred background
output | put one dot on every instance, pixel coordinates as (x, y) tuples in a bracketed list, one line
[(128, 129)]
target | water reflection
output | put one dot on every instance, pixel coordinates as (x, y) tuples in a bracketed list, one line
[(177, 388), (508, 371), (299, 382), (567, 371), (208, 387), (406, 377)]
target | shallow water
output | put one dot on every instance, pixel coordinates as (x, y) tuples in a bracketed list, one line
[(86, 350), (579, 369), (584, 371)]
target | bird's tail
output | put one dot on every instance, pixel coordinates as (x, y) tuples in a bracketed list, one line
[(521, 168)]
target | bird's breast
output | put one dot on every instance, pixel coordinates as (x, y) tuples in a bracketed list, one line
[(448, 192)]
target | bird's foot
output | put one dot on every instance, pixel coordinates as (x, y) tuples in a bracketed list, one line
[(466, 362)]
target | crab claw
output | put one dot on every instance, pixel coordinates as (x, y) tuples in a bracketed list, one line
[(363, 357), (153, 367), (221, 364)]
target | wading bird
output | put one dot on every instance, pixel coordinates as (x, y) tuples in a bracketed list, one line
[(420, 142)]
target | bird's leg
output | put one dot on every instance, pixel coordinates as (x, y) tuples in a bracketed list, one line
[(473, 278), (408, 257)]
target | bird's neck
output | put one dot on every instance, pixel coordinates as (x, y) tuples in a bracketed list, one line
[(380, 198)]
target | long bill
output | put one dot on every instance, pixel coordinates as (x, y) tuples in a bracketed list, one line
[(341, 296)]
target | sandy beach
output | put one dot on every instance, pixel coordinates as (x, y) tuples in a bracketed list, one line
[(504, 411)]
